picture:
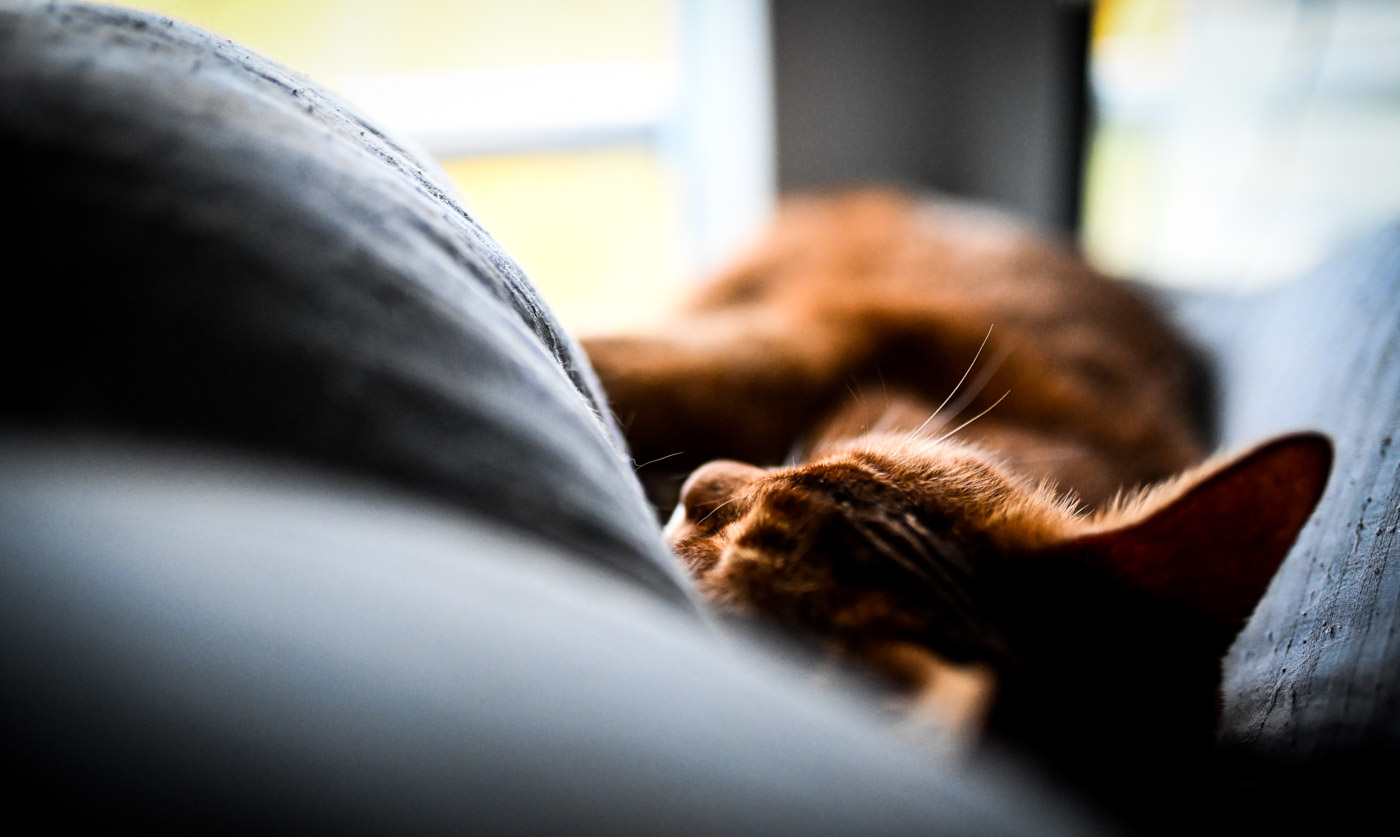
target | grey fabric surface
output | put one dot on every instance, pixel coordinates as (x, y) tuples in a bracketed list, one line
[(1312, 689), (216, 644), (217, 250)]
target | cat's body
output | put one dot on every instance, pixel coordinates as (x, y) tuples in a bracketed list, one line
[(862, 311), (988, 575)]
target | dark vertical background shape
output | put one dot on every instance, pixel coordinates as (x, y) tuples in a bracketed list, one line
[(982, 100)]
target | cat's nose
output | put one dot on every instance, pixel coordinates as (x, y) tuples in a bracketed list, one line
[(713, 484)]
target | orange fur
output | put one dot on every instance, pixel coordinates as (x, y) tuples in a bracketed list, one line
[(874, 296), (995, 573)]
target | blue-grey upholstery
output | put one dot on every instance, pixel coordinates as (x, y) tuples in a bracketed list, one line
[(1311, 722)]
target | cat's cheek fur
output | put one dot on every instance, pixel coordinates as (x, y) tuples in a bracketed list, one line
[(700, 555), (952, 697), (675, 526)]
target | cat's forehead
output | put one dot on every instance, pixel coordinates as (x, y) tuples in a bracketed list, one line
[(842, 469), (877, 479), (910, 463), (726, 499), (936, 482), (849, 480)]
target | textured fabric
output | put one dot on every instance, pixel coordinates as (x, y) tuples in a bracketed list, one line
[(1312, 689), (217, 250)]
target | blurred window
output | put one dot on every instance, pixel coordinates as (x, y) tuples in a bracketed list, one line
[(1239, 143), (613, 147)]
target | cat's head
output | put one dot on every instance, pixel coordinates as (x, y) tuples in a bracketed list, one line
[(984, 597)]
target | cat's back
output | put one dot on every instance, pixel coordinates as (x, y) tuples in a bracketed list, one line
[(895, 253), (917, 283)]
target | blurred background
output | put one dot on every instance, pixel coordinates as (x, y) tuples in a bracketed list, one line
[(620, 149)]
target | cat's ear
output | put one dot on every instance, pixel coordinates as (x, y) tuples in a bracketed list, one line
[(1211, 541)]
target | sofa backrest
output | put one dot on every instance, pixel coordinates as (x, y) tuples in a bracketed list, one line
[(1312, 687)]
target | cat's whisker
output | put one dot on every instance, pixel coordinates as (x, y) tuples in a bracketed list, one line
[(959, 384), (636, 467), (948, 584), (952, 592), (921, 531), (940, 556), (979, 383), (890, 552), (945, 436), (717, 508)]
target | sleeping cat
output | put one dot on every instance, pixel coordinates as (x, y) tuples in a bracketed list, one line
[(934, 437)]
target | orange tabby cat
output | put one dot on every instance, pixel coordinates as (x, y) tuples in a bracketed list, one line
[(990, 571)]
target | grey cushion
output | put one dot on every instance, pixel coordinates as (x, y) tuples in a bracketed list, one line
[(220, 251), (1312, 689), (217, 643)]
